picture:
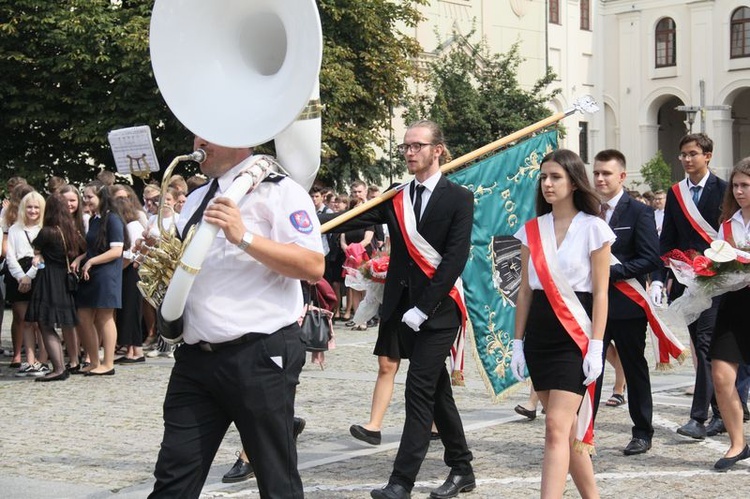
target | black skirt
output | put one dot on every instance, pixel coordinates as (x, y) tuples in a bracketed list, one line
[(730, 340), (12, 294), (51, 303), (554, 360)]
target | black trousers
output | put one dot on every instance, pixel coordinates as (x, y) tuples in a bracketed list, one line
[(629, 336), (700, 334), (243, 384), (429, 397)]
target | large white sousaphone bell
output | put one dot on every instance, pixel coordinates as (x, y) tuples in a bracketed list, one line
[(239, 73)]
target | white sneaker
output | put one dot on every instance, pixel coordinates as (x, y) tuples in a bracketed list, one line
[(152, 353)]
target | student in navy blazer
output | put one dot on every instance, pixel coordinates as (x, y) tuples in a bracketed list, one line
[(637, 249), (678, 233)]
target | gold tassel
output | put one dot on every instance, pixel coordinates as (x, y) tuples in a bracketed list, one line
[(457, 378), (581, 447), (683, 355), (664, 366)]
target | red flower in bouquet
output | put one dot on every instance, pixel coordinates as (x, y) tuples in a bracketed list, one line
[(703, 265), (380, 264), (376, 268)]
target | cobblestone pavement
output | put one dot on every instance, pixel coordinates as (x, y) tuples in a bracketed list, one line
[(99, 437)]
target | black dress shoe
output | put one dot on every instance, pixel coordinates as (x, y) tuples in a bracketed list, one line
[(693, 429), (54, 377), (240, 472), (525, 412), (725, 463), (111, 372), (637, 446), (715, 426), (361, 433), (454, 485), (390, 491), (130, 360)]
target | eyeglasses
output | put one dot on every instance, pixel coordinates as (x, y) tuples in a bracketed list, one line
[(414, 147), (692, 155)]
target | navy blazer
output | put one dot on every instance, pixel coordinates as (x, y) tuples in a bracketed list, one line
[(637, 248), (677, 233), (446, 224)]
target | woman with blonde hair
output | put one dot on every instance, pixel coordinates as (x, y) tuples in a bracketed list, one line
[(22, 272)]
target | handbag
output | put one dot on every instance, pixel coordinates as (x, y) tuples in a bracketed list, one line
[(71, 278), (317, 325)]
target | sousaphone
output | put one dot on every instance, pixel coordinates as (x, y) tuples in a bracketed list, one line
[(239, 74)]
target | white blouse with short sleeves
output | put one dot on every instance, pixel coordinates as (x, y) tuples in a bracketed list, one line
[(738, 228), (587, 233)]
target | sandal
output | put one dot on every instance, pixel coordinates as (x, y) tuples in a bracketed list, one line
[(350, 324), (615, 400), (360, 327)]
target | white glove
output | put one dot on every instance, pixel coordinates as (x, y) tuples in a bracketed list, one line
[(655, 292), (593, 363), (414, 318), (518, 361)]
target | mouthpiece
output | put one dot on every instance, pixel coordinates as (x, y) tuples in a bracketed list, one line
[(199, 155)]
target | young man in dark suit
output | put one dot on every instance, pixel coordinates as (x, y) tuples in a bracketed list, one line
[(419, 320), (682, 214), (637, 249)]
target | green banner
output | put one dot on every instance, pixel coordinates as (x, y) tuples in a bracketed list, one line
[(504, 188)]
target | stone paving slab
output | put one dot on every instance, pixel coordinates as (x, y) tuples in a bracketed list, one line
[(99, 437)]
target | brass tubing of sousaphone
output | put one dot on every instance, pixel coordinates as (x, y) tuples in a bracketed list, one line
[(452, 165)]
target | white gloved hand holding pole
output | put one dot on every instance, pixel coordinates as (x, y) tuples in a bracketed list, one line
[(414, 318), (655, 292)]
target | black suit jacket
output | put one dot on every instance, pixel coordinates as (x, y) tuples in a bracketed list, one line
[(637, 248), (677, 233), (446, 224)]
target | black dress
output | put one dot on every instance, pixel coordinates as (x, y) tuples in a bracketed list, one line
[(730, 340), (554, 360), (51, 303), (104, 287)]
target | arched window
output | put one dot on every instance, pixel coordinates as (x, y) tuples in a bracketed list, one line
[(740, 33), (554, 11), (665, 43), (585, 15)]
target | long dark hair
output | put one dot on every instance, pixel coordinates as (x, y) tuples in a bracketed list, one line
[(106, 210), (57, 219), (78, 214), (729, 206), (585, 198)]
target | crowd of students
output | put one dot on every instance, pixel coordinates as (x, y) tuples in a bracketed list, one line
[(70, 261)]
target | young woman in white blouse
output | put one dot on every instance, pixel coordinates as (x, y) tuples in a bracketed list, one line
[(18, 289), (574, 262), (730, 341)]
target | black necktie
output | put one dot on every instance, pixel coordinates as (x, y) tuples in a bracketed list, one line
[(198, 214), (418, 202)]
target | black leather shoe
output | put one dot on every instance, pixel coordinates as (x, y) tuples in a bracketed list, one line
[(637, 446), (299, 426), (390, 491), (715, 426), (725, 463), (531, 415), (693, 429), (240, 472), (454, 485), (361, 433)]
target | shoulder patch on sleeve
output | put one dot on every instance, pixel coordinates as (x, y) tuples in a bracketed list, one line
[(301, 221)]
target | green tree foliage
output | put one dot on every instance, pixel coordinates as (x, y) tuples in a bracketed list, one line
[(75, 69), (366, 63), (475, 96), (657, 173)]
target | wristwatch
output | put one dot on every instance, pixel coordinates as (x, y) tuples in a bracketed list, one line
[(247, 240)]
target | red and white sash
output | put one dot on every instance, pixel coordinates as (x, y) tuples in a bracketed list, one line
[(727, 229), (685, 200), (664, 341), (570, 312), (428, 260)]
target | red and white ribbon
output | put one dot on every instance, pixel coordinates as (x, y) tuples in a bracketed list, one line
[(665, 343), (428, 260), (685, 200), (569, 311)]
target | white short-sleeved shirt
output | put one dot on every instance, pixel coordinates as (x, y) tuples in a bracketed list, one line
[(586, 234), (234, 294), (738, 227)]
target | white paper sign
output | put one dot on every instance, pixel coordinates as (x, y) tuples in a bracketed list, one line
[(133, 150)]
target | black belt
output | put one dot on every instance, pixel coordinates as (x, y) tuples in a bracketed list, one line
[(215, 347)]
